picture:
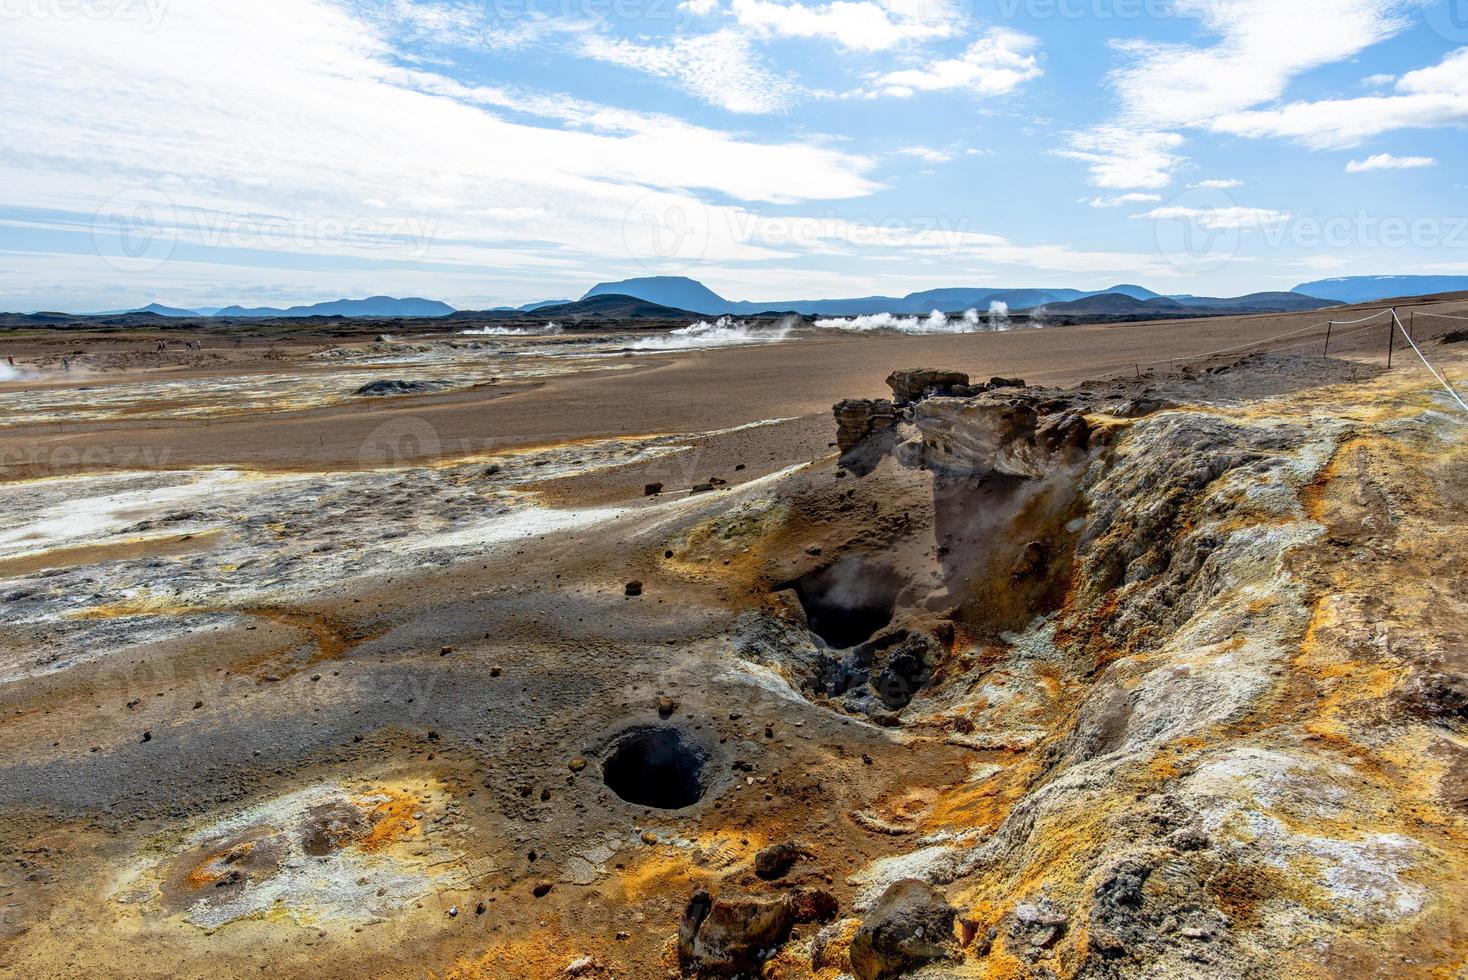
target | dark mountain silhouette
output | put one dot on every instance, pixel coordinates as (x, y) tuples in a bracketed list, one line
[(690, 294), (157, 309), (1118, 304), (1369, 289), (373, 306), (604, 306)]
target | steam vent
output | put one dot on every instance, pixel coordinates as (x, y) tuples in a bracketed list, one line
[(498, 671)]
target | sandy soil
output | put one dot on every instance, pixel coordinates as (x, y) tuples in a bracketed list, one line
[(688, 392), (329, 692)]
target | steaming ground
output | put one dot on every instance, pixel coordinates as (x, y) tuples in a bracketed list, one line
[(298, 682), (934, 323)]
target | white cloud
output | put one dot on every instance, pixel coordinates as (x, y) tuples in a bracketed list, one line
[(1377, 81), (859, 25), (1123, 158), (1221, 219), (1122, 199), (721, 68), (926, 153), (275, 114), (1261, 46), (699, 8), (1385, 161), (466, 25), (1226, 184), (1427, 98), (996, 64)]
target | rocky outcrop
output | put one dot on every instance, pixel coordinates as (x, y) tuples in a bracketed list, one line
[(1026, 435), (730, 936), (1213, 717), (859, 419), (915, 384), (389, 388), (910, 925)]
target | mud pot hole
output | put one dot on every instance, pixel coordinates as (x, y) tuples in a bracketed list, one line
[(656, 767), (849, 601)]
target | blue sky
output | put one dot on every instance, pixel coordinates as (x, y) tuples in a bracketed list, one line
[(203, 152)]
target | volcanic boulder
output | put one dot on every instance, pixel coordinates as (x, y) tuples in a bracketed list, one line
[(731, 935), (911, 924), (915, 384)]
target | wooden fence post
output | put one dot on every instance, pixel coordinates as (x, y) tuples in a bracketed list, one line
[(1391, 338)]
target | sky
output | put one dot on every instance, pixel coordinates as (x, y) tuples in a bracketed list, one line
[(201, 153)]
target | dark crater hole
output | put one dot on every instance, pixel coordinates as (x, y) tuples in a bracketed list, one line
[(846, 603), (656, 767)]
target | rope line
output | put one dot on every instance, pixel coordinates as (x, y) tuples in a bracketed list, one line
[(1440, 316), (1226, 350), (1441, 380), (1347, 323)]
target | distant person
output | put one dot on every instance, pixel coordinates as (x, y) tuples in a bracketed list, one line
[(10, 359), (66, 365)]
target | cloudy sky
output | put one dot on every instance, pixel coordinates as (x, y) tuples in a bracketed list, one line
[(202, 152)]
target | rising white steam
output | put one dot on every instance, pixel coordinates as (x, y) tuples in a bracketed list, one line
[(998, 315), (548, 329), (934, 323), (722, 333), (8, 373)]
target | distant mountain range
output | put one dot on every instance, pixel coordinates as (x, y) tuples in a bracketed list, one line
[(690, 294), (603, 306), (157, 309), (1118, 304), (681, 293), (373, 306), (1369, 289)]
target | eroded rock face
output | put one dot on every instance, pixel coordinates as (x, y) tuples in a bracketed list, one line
[(1220, 714), (915, 384), (860, 419), (998, 432)]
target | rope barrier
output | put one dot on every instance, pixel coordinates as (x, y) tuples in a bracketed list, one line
[(1347, 323), (1441, 380), (1266, 340), (1440, 316)]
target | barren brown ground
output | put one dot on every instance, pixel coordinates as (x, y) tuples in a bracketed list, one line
[(470, 705), (690, 392)]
